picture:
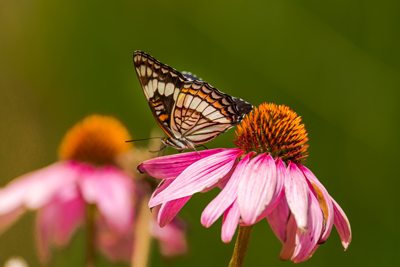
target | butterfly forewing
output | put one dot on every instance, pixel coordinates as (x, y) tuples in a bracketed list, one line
[(161, 84), (185, 107)]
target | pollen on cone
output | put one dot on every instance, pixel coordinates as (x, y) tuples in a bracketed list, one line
[(97, 139), (274, 129)]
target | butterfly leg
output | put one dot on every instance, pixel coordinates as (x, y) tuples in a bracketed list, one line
[(162, 149), (203, 146), (197, 151), (161, 152)]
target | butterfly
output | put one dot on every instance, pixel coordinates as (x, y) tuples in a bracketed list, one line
[(190, 111)]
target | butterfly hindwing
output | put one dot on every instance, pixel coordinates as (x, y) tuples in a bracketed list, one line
[(202, 112), (188, 109)]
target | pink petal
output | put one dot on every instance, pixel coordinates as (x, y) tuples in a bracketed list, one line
[(226, 197), (169, 210), (306, 242), (312, 252), (290, 239), (296, 189), (324, 202), (230, 222), (58, 220), (278, 219), (162, 186), (53, 179), (198, 176), (342, 225), (172, 166), (15, 193), (68, 214), (112, 191), (279, 191), (256, 187), (117, 247), (172, 238), (9, 218)]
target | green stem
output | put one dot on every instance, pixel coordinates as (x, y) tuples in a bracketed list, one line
[(142, 240), (90, 236), (241, 246)]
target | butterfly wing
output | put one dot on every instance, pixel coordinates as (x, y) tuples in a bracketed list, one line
[(202, 112), (161, 85), (184, 106)]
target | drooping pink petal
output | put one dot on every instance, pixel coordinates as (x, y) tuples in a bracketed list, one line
[(198, 176), (172, 166), (162, 186), (279, 189), (226, 197), (324, 202), (278, 218), (53, 178), (68, 214), (312, 252), (256, 187), (14, 194), (306, 242), (342, 225), (289, 243), (9, 218), (172, 238), (58, 220), (169, 210), (117, 247), (111, 190), (230, 222), (296, 190)]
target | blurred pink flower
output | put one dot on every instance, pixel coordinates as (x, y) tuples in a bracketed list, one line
[(90, 174), (262, 178), (86, 174), (118, 246)]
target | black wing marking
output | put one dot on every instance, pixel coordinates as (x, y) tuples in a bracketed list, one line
[(160, 84)]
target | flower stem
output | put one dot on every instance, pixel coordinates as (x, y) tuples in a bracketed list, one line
[(90, 237), (142, 240), (241, 246)]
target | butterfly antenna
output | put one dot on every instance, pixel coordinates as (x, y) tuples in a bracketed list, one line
[(134, 140)]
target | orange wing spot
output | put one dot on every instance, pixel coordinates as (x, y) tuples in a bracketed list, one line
[(223, 111), (193, 92), (217, 105), (210, 99), (156, 104), (185, 90), (163, 117), (201, 94)]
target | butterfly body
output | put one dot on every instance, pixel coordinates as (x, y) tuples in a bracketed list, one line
[(190, 111)]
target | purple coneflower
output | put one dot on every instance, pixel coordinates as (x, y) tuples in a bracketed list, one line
[(87, 185), (262, 178)]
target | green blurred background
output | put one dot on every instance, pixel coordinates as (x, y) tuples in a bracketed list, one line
[(336, 63)]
